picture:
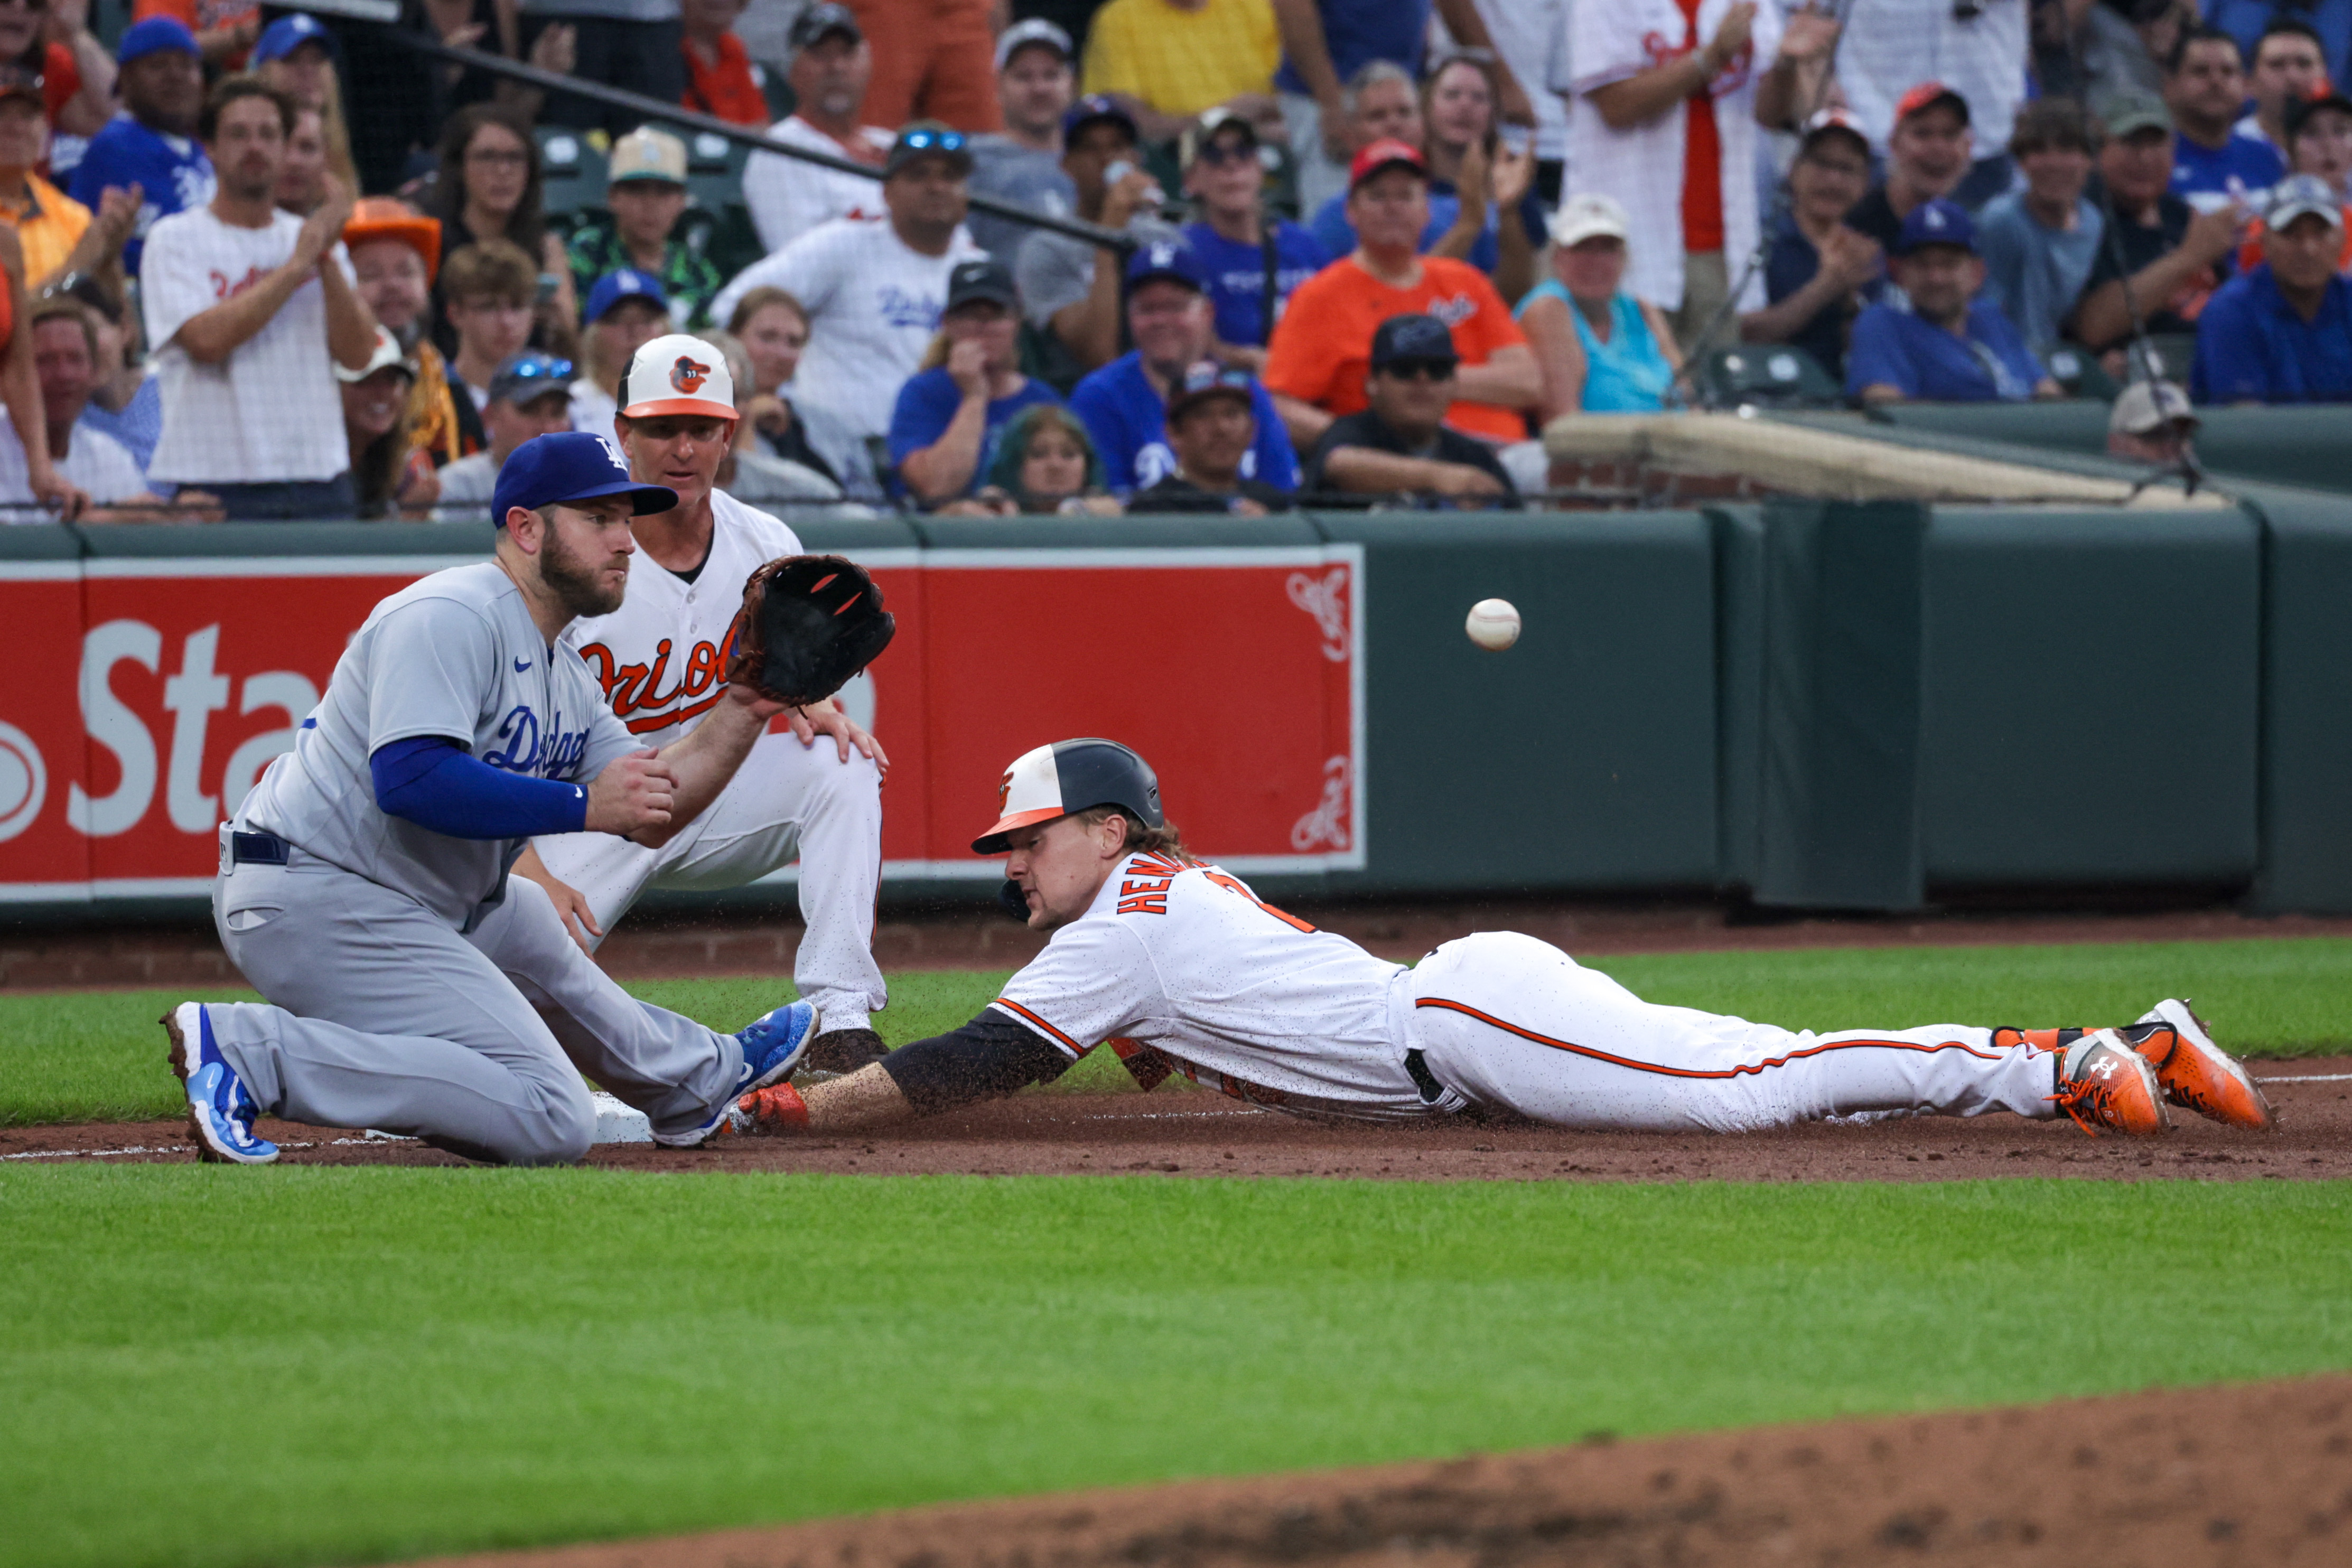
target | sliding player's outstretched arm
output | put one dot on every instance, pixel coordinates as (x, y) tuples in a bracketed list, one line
[(987, 1058)]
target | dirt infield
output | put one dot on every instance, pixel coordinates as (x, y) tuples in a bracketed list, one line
[(1192, 1134), (2254, 1473)]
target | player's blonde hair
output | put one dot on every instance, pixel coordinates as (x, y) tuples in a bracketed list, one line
[(1167, 842)]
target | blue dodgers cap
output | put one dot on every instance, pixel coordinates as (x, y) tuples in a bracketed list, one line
[(154, 36), (572, 465), (1093, 107), (1170, 258), (626, 284), (1938, 222), (286, 33)]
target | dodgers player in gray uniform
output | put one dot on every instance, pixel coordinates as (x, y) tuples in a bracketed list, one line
[(412, 986)]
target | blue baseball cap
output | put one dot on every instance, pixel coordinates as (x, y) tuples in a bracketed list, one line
[(286, 33), (1096, 106), (1170, 258), (153, 36), (626, 284), (1937, 222), (570, 466)]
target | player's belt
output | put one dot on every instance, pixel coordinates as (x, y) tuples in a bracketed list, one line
[(1417, 1069), (255, 849)]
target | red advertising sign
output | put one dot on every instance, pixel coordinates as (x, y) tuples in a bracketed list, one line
[(154, 692)]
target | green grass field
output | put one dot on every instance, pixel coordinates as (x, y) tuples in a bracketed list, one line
[(209, 1365), (99, 1056)]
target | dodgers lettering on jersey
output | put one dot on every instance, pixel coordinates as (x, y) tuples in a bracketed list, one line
[(455, 655), (660, 658), (1180, 959)]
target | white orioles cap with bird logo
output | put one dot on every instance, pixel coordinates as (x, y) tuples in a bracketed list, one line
[(678, 374)]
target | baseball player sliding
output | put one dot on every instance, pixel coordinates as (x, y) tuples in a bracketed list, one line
[(658, 656), (412, 986), (1179, 967)]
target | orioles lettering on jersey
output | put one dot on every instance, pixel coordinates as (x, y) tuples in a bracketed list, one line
[(634, 691)]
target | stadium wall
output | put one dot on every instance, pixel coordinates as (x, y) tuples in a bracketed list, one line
[(1824, 705)]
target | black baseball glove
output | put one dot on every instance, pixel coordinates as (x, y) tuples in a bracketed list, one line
[(807, 625)]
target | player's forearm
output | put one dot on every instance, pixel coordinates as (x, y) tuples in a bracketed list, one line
[(1301, 26), (702, 764)]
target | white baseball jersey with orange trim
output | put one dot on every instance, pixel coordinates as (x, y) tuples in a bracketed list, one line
[(659, 654), (1183, 963), (660, 658)]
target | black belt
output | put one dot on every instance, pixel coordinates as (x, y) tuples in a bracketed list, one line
[(255, 849), (1432, 1091)]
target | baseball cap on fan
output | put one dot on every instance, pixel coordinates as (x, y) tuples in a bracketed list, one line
[(678, 374), (1171, 259), (1388, 153), (154, 36), (570, 466), (626, 284), (286, 33), (1034, 33), (1206, 378), (2147, 406), (819, 22), (1589, 215), (1938, 222), (1927, 95), (928, 139), (1067, 776), (2303, 195), (21, 81)]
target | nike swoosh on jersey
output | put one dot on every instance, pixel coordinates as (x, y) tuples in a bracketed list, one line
[(522, 665)]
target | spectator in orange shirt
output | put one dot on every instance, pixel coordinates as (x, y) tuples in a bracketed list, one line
[(57, 233), (939, 62), (1321, 354), (720, 79)]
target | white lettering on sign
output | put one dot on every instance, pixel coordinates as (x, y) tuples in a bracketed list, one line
[(115, 727), (190, 697)]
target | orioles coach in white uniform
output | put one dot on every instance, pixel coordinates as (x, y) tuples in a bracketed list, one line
[(814, 793), (1180, 968)]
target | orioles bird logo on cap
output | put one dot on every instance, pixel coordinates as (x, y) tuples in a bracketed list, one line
[(1003, 790), (688, 375)]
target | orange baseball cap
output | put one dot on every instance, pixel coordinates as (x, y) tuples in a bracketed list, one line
[(1925, 96), (386, 217)]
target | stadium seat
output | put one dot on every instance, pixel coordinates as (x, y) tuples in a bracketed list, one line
[(571, 172), (2080, 373), (1773, 374)]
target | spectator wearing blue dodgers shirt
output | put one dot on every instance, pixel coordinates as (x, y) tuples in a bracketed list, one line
[(1950, 346), (152, 144), (1124, 406), (2214, 162), (944, 430), (1234, 233), (2282, 332)]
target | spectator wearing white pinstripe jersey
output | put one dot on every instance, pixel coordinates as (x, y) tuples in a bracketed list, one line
[(1665, 97)]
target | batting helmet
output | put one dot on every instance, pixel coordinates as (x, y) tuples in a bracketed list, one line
[(1071, 775)]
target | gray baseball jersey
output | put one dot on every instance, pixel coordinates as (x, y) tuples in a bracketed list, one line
[(454, 654)]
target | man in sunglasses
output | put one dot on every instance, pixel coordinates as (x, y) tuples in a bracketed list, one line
[(873, 293), (1399, 445), (1237, 240), (529, 396)]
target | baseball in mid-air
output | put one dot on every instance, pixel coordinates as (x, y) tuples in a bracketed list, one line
[(1493, 625)]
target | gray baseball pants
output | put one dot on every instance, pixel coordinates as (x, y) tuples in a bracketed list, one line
[(383, 1015)]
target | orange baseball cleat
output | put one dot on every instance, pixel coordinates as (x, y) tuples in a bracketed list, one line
[(2194, 1071), (2104, 1083)]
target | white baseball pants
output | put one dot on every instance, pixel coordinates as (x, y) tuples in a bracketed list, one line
[(1514, 1023), (785, 801), (380, 1015)]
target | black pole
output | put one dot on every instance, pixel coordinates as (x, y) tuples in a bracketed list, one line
[(692, 119)]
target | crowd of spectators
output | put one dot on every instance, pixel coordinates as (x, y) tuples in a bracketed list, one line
[(265, 265)]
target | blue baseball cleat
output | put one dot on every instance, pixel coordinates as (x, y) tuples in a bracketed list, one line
[(772, 1045), (220, 1111)]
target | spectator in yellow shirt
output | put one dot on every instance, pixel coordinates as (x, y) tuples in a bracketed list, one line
[(1165, 61)]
